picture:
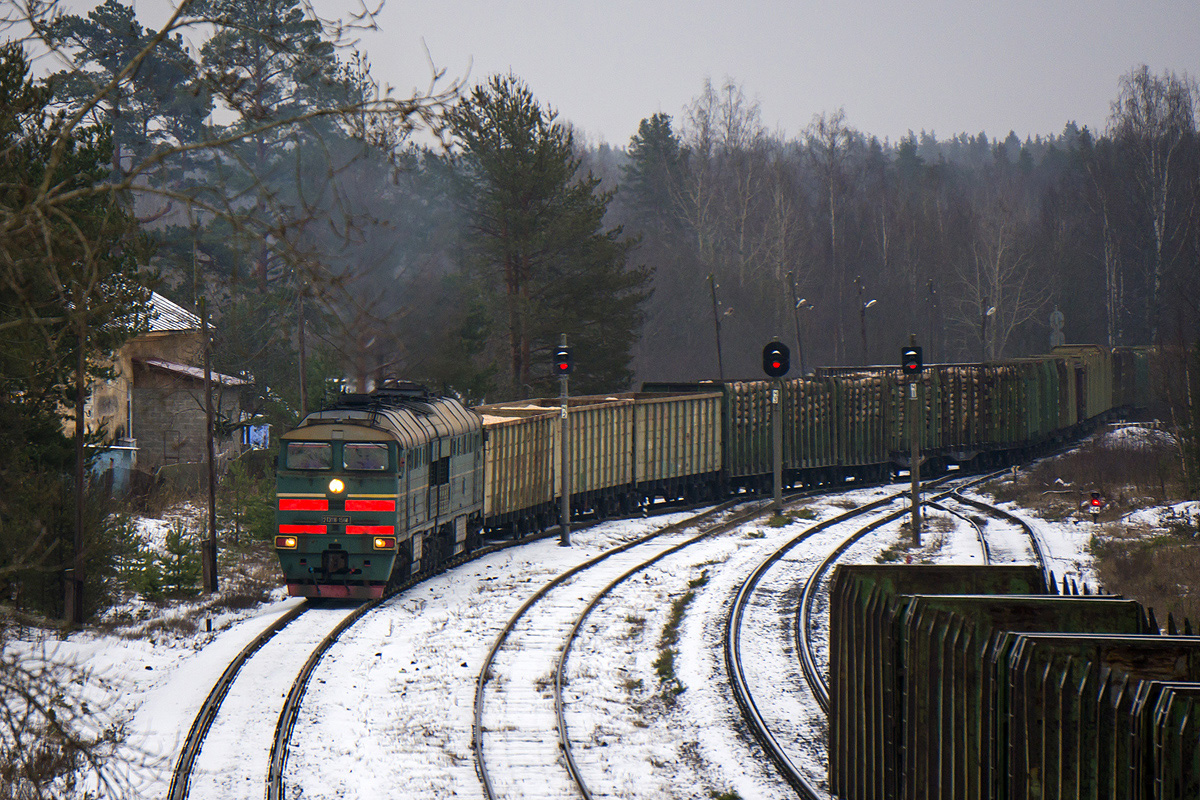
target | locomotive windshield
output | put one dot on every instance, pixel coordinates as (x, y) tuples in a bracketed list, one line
[(365, 456), (309, 455)]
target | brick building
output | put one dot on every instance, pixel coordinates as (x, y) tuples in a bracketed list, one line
[(153, 409)]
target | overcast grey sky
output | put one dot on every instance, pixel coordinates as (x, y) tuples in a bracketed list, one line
[(946, 66)]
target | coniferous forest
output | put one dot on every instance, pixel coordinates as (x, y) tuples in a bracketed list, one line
[(338, 233)]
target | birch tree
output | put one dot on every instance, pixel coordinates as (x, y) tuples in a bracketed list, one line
[(1153, 119)]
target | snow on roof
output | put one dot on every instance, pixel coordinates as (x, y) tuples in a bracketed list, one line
[(167, 316), (193, 372)]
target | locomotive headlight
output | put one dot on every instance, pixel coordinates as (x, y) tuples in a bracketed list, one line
[(336, 486), (384, 543), (285, 542)]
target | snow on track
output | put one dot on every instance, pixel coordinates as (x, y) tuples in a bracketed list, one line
[(401, 684), (234, 760)]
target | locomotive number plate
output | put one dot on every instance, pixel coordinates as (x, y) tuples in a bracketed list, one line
[(334, 520)]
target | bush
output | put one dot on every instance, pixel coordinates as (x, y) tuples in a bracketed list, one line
[(181, 563), (1159, 572), (246, 503)]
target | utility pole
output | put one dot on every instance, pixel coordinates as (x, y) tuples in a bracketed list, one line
[(563, 365), (74, 579), (302, 348), (208, 550), (796, 304), (712, 283)]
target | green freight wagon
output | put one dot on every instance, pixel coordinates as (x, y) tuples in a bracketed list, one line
[(1093, 377), (1131, 378)]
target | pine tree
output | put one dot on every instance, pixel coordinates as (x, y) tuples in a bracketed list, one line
[(70, 293), (654, 172), (538, 244), (158, 105)]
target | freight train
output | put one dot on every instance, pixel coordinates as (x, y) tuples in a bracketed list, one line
[(386, 485)]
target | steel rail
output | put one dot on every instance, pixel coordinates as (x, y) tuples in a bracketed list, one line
[(182, 774), (1039, 547), (560, 668), (485, 672), (291, 707), (812, 674), (987, 551), (733, 659)]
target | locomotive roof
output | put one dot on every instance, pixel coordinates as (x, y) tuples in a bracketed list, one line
[(408, 414)]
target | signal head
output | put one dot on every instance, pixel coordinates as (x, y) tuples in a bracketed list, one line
[(776, 359), (910, 361), (563, 363)]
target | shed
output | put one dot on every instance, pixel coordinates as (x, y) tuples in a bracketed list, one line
[(153, 408)]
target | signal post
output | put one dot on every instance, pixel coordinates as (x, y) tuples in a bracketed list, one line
[(911, 365), (563, 364), (776, 362)]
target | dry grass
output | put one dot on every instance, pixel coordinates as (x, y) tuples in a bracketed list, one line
[(1159, 569), (1129, 471), (1161, 572)]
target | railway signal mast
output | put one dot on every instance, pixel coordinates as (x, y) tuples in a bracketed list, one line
[(563, 364), (776, 362), (911, 364)]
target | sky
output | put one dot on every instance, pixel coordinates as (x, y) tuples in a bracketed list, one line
[(943, 66)]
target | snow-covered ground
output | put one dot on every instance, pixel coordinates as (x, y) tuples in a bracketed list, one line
[(389, 710)]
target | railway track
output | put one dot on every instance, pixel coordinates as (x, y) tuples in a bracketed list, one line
[(494, 771), (224, 755), (781, 719), (520, 725), (305, 628), (241, 742)]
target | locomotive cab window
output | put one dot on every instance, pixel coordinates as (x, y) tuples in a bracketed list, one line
[(367, 456), (309, 455)]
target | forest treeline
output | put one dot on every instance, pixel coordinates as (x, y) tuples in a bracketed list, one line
[(243, 161), (262, 172), (845, 245)]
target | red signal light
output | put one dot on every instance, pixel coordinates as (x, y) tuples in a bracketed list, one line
[(1096, 503), (563, 362), (776, 360)]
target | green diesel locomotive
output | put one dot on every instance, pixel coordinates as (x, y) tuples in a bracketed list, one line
[(376, 488)]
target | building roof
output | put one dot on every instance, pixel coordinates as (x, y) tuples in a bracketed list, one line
[(192, 372), (167, 316)]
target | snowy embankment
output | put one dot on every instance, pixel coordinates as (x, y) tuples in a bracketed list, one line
[(389, 710)]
